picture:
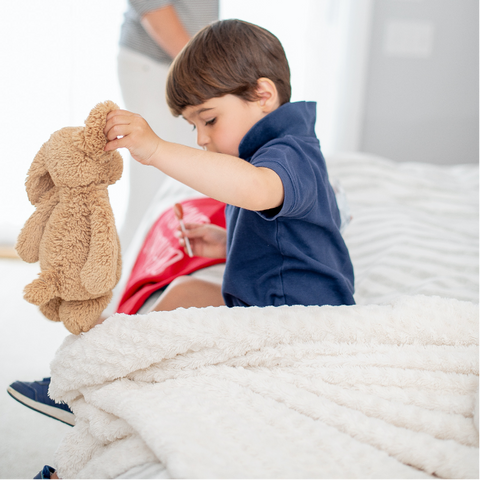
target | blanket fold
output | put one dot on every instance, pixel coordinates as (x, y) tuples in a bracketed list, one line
[(371, 391)]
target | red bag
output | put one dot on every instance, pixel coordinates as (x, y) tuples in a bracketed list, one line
[(162, 259)]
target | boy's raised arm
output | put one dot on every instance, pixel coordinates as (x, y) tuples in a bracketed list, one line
[(223, 177)]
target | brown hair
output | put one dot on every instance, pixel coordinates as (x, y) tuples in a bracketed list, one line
[(227, 57)]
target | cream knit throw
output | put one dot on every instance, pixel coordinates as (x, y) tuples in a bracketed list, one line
[(372, 391)]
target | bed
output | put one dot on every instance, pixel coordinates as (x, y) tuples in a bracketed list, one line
[(387, 388)]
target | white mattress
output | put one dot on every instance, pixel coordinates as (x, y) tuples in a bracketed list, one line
[(414, 228), (413, 238)]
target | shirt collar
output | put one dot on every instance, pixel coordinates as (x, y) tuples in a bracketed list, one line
[(289, 119)]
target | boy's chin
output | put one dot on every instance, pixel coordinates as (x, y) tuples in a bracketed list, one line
[(230, 151)]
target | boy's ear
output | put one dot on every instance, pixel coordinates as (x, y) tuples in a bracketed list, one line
[(267, 94)]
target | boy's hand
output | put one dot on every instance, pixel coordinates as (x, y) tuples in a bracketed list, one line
[(206, 240), (129, 130)]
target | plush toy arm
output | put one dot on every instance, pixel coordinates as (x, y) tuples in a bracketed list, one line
[(99, 274), (28, 242)]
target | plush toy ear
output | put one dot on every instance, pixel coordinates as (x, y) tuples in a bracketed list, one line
[(38, 180), (92, 139)]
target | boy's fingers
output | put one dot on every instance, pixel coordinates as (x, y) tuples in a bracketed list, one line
[(111, 145), (193, 225), (115, 113), (118, 117), (195, 232), (111, 133), (114, 123), (114, 144)]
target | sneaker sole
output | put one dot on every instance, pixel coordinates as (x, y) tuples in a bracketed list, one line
[(52, 412)]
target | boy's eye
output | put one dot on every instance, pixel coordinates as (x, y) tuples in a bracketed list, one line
[(210, 122)]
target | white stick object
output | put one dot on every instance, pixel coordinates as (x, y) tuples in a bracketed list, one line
[(178, 209)]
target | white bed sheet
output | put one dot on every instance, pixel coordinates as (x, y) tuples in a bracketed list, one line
[(414, 228), (414, 232)]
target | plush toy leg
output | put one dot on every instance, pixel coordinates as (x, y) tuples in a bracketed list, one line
[(50, 309), (82, 315), (42, 289)]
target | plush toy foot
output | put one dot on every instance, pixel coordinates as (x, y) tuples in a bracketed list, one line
[(41, 290), (82, 315), (50, 309)]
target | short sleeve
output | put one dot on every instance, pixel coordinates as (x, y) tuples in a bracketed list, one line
[(300, 182), (143, 7)]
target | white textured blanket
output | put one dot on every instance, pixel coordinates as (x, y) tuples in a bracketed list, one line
[(414, 228), (379, 391), (366, 391)]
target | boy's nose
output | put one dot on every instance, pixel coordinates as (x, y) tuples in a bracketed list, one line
[(202, 139)]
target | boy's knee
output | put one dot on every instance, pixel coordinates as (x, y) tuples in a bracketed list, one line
[(187, 291), (180, 282), (179, 289)]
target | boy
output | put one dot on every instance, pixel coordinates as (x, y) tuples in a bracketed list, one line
[(283, 245), (262, 158)]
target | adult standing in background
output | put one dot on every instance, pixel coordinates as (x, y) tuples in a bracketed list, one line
[(152, 34)]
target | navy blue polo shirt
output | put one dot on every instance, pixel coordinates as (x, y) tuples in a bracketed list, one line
[(294, 254)]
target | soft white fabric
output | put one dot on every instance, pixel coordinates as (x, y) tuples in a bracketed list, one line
[(146, 470), (385, 389), (414, 227), (376, 391)]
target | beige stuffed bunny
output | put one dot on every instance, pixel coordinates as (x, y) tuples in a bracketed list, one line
[(72, 231)]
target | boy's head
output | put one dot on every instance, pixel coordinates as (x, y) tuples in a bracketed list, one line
[(227, 57)]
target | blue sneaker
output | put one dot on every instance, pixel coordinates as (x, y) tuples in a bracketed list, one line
[(35, 396), (46, 472)]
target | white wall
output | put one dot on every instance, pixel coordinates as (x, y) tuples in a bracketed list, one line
[(422, 84), (326, 43), (58, 60)]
